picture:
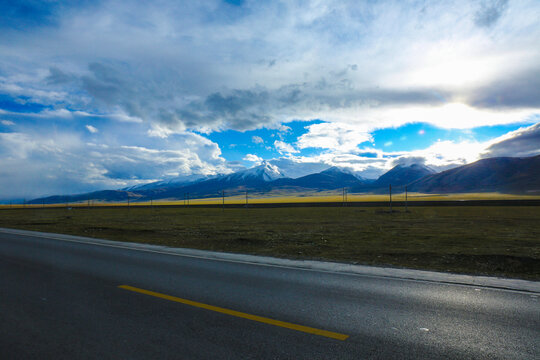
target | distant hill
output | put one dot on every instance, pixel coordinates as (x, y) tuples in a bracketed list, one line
[(398, 177), (104, 195), (402, 175), (501, 174), (329, 179)]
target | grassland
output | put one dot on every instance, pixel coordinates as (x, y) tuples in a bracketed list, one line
[(478, 240), (283, 197)]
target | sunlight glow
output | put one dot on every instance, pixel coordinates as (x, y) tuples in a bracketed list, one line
[(455, 116)]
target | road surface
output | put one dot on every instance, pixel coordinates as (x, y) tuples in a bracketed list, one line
[(64, 299)]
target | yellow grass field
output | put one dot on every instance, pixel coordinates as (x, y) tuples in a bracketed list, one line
[(279, 198)]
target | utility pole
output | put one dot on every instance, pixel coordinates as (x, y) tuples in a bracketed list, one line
[(246, 199), (222, 200), (343, 197), (151, 202), (187, 199), (390, 191), (406, 204), (128, 200), (24, 203)]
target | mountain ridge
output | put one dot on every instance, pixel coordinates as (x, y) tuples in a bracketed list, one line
[(502, 174)]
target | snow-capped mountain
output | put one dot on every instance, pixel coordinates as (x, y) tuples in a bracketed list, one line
[(343, 170), (265, 172), (495, 174), (257, 179)]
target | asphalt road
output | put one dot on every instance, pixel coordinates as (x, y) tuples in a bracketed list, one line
[(61, 300)]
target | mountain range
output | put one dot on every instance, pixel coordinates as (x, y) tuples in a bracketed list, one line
[(502, 174)]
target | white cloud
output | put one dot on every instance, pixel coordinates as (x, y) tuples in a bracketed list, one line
[(58, 162), (336, 136), (7, 122), (440, 156), (161, 131), (122, 117), (284, 128), (522, 142), (16, 88), (253, 158), (448, 116), (444, 154), (92, 129), (367, 167), (257, 140), (284, 148)]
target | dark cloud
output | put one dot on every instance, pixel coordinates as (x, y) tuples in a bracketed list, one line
[(489, 12), (140, 95), (107, 84), (522, 142), (408, 161), (117, 86), (408, 97), (520, 90), (238, 109), (259, 107), (57, 77), (420, 160)]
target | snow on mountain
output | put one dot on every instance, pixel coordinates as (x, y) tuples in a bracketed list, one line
[(265, 172), (344, 170)]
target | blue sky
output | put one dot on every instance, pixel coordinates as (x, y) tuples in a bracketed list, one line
[(103, 95)]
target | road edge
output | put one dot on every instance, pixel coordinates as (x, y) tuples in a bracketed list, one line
[(311, 265)]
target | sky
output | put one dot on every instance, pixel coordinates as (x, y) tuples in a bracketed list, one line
[(109, 94)]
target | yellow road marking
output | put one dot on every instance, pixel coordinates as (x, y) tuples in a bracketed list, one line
[(239, 314)]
